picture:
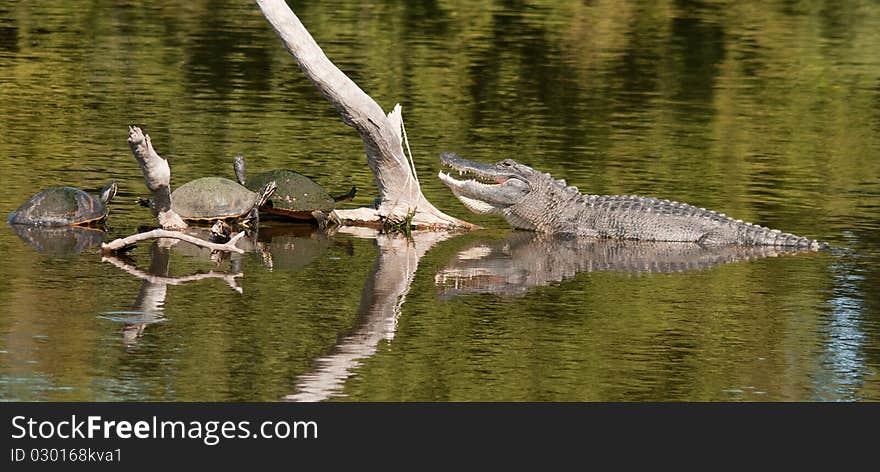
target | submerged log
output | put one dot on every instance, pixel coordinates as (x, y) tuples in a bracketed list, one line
[(400, 194)]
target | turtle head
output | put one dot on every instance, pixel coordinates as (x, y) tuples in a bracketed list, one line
[(240, 168), (265, 192), (108, 192), (263, 195)]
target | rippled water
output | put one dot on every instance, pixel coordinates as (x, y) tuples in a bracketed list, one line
[(767, 111)]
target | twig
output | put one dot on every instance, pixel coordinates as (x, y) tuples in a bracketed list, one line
[(161, 233)]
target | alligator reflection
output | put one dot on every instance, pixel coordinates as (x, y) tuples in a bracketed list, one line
[(508, 266), (148, 306), (383, 295), (59, 241), (512, 265)]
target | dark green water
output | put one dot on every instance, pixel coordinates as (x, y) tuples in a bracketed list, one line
[(767, 111)]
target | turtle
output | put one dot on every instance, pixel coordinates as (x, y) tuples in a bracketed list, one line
[(298, 197), (209, 199), (64, 206)]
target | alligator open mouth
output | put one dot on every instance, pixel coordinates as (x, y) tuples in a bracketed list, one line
[(477, 172), (462, 189), (483, 188), (473, 177)]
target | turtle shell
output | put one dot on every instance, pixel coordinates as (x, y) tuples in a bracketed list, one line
[(212, 198), (297, 196), (60, 206)]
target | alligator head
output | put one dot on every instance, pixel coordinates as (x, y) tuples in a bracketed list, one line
[(492, 188), (499, 189)]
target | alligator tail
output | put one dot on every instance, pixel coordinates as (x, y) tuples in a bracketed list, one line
[(761, 236)]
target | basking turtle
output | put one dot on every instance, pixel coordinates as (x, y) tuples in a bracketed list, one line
[(215, 198), (64, 206), (298, 197)]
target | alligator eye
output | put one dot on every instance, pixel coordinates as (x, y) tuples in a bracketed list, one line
[(506, 163)]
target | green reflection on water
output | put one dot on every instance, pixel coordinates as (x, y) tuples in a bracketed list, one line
[(769, 112)]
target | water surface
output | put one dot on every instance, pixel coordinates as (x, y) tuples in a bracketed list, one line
[(766, 111)]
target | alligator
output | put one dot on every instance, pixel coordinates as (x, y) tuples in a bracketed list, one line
[(531, 200)]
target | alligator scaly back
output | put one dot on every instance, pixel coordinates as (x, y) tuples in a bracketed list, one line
[(646, 218)]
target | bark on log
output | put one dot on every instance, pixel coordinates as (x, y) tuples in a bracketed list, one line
[(399, 191)]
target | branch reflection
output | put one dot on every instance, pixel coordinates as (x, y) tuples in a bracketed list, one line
[(383, 295), (508, 266), (148, 305)]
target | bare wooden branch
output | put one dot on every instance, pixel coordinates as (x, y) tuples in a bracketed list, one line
[(161, 233), (157, 176), (399, 191)]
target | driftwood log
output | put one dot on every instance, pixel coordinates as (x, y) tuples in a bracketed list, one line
[(120, 243), (400, 194)]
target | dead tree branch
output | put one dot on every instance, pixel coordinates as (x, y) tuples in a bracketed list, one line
[(157, 176), (399, 190), (161, 233)]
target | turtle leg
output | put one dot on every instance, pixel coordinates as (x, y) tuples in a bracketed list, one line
[(262, 197), (220, 232), (326, 219), (321, 218), (334, 218), (244, 222)]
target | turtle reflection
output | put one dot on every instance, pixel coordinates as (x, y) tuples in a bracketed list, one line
[(59, 240), (292, 246)]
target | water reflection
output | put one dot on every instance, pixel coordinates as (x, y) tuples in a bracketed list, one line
[(770, 112), (59, 241), (843, 353), (509, 266), (148, 307), (383, 296), (522, 260), (292, 247)]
